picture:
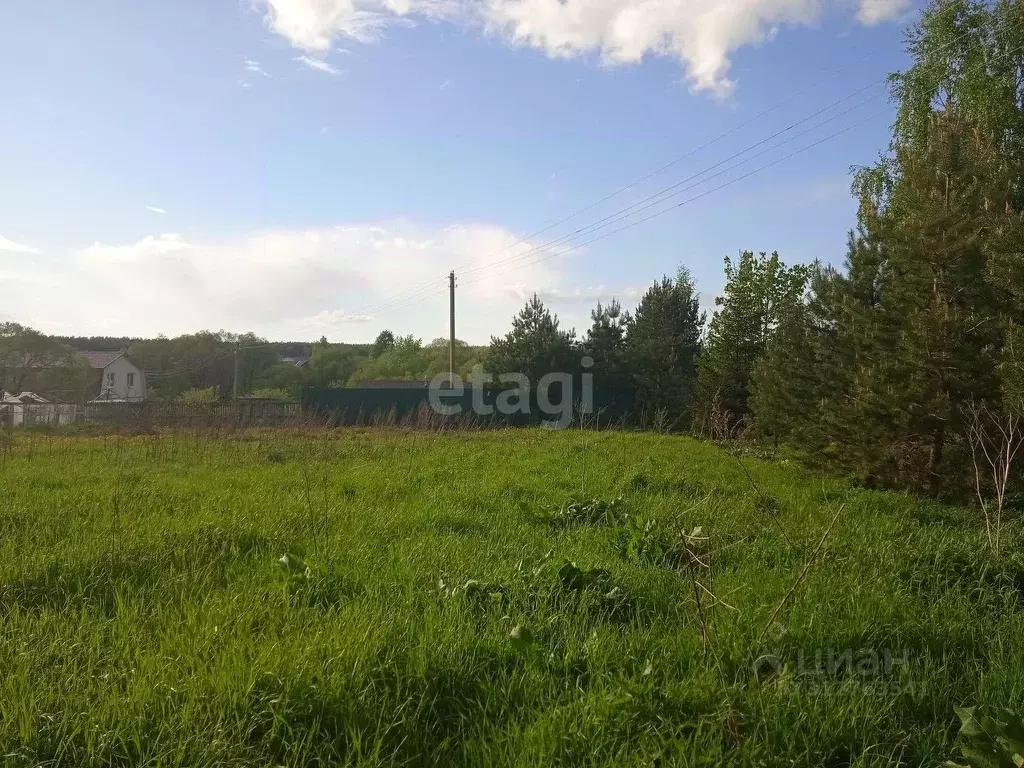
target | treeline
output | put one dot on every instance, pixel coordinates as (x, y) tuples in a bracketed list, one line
[(297, 349), (681, 371), (907, 365), (202, 367), (32, 361)]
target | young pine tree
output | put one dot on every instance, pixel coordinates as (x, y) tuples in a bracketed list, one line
[(606, 344), (536, 345), (663, 343)]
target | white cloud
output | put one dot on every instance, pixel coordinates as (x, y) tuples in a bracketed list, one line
[(328, 318), (255, 67), (154, 209), (148, 247), (340, 281), (318, 64), (701, 34), (873, 12), (312, 24), (12, 247), (587, 295)]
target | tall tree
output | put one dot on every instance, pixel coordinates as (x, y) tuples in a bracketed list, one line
[(606, 344), (406, 359), (29, 357), (535, 346), (889, 355), (331, 365), (255, 356), (384, 342), (663, 343), (760, 292), (810, 359)]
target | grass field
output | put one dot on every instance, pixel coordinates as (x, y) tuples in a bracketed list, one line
[(426, 613)]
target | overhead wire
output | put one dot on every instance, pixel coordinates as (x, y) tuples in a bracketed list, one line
[(674, 206), (646, 203), (416, 290), (428, 290), (676, 189)]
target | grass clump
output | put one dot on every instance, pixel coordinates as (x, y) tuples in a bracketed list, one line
[(588, 512)]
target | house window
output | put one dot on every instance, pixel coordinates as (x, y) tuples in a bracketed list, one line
[(110, 379), (130, 380)]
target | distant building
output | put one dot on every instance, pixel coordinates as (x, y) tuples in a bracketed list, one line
[(298, 362), (121, 378), (25, 398), (28, 409)]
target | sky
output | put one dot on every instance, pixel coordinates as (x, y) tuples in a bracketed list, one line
[(308, 168)]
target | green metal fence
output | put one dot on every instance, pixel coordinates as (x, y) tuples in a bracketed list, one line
[(472, 407)]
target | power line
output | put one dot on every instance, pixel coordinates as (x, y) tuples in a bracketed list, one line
[(417, 294), (675, 189), (650, 201), (429, 290), (414, 290), (692, 199), (721, 186)]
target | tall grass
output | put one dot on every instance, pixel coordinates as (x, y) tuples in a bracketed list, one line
[(442, 604)]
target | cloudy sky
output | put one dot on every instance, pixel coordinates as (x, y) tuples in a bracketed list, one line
[(302, 168)]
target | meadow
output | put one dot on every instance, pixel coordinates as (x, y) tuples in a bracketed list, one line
[(518, 597)]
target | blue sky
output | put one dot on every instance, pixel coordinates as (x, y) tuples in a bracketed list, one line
[(290, 166)]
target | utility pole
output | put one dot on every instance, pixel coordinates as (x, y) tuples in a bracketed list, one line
[(234, 380), (451, 339)]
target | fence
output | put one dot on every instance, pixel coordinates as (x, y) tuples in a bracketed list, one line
[(241, 413), (341, 407), (33, 414), (412, 407)]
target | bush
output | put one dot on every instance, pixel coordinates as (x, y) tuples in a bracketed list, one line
[(205, 395)]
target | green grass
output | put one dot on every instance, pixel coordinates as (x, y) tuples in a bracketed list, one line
[(144, 619)]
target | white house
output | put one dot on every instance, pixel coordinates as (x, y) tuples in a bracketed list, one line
[(122, 379)]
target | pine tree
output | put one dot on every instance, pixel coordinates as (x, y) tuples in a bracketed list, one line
[(535, 346), (784, 389), (606, 344), (663, 343)]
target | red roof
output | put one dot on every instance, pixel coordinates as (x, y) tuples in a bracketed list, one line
[(99, 359)]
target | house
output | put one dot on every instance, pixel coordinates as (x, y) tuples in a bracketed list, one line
[(121, 378), (298, 362)]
